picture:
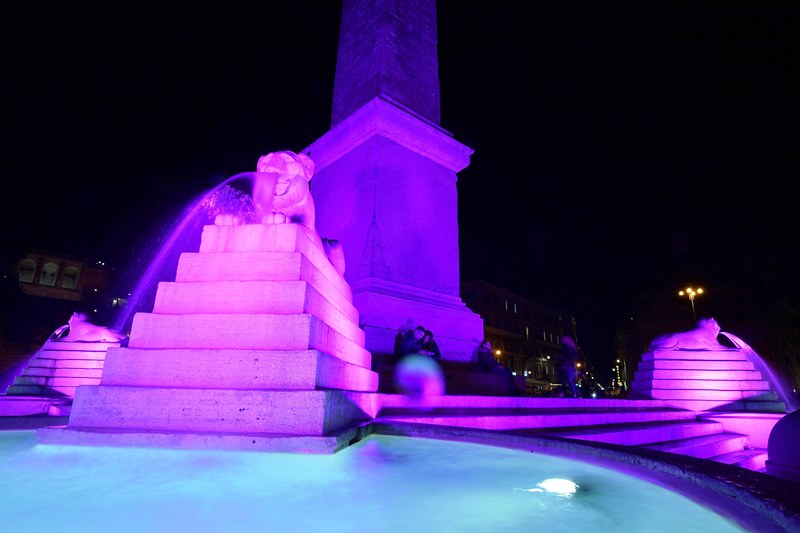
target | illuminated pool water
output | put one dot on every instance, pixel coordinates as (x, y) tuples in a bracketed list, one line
[(383, 483)]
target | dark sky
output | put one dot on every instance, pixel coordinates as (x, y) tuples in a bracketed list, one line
[(618, 146)]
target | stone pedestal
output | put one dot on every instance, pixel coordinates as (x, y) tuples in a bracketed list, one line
[(705, 380), (255, 346), (385, 187)]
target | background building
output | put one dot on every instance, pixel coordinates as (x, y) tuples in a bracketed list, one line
[(525, 335), (40, 290)]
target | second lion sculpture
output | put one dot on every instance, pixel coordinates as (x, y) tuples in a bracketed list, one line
[(702, 337)]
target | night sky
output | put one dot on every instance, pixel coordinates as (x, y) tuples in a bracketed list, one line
[(619, 147)]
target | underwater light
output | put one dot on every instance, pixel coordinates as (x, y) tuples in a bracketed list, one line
[(562, 487)]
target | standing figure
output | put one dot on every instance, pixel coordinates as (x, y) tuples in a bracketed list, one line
[(568, 359)]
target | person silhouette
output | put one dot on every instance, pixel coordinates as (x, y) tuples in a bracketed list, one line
[(429, 346), (568, 358), (487, 363)]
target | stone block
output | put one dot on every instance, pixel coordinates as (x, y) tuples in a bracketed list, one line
[(212, 411), (243, 332), (264, 266), (246, 297), (272, 238), (234, 369)]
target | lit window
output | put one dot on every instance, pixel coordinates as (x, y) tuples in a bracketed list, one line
[(506, 304), (527, 334), (27, 269), (49, 274), (70, 278), (515, 308)]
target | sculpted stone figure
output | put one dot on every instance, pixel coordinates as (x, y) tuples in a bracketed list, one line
[(702, 337), (80, 329), (281, 195), (280, 188)]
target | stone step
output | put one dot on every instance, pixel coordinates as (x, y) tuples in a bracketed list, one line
[(12, 405), (264, 266), (33, 421), (45, 372), (269, 297), (694, 364), (757, 425), (727, 395), (57, 381), (53, 391), (235, 369), (504, 419), (401, 401), (637, 434), (712, 375), (703, 447), (67, 363), (273, 442), (244, 332), (213, 411), (255, 239), (78, 355), (77, 346), (751, 459), (743, 405), (700, 384), (706, 355)]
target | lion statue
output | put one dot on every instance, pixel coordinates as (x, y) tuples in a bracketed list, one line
[(281, 195), (80, 329), (280, 188), (702, 337)]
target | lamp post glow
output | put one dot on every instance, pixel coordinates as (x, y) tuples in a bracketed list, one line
[(691, 293)]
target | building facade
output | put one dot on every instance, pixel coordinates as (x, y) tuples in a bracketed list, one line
[(525, 335)]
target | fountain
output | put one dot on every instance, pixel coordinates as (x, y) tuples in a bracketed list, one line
[(255, 344), (382, 483), (255, 347)]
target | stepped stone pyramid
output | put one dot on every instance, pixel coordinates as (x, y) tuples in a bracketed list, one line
[(47, 384), (254, 346), (704, 380), (59, 367)]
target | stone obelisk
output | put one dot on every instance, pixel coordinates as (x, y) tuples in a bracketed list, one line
[(385, 182)]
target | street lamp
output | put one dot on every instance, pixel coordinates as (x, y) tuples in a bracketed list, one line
[(691, 293)]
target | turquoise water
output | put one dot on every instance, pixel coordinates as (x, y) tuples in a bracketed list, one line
[(383, 483)]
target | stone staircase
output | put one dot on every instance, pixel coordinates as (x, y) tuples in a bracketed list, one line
[(48, 383), (705, 380), (652, 424), (255, 346), (59, 367)]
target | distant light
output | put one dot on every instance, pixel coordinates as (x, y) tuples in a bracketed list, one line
[(95, 290), (498, 352)]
